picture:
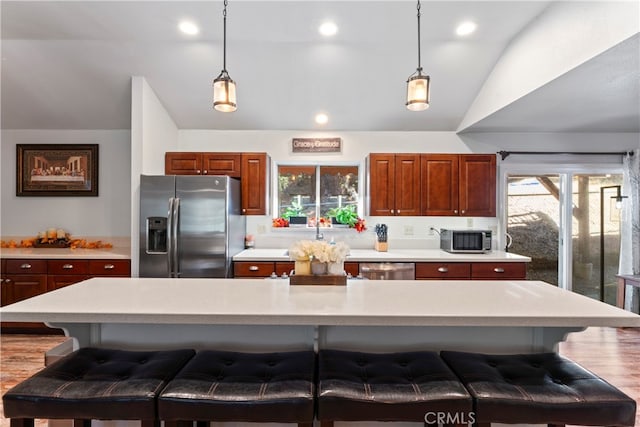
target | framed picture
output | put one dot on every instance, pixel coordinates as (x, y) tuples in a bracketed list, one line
[(57, 170)]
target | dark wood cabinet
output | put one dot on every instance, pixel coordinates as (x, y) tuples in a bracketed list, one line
[(394, 186), (352, 268), (255, 183), (477, 194), (248, 269), (499, 270), (26, 278), (443, 271), (458, 184), (440, 184), (251, 168)]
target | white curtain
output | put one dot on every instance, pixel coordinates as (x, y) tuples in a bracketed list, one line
[(630, 230)]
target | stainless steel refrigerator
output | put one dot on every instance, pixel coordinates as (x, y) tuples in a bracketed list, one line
[(190, 226)]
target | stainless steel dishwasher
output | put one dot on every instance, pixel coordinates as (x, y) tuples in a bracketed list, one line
[(388, 270)]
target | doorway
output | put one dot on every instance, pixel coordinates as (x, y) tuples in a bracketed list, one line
[(537, 207)]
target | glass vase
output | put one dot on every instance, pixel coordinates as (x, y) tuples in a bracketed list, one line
[(318, 268), (336, 268)]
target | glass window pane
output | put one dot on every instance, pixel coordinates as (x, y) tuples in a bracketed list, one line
[(296, 191), (338, 187)]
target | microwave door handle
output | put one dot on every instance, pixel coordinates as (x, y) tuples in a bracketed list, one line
[(176, 232), (170, 237)]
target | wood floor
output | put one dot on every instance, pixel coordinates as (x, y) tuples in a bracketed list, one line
[(613, 354)]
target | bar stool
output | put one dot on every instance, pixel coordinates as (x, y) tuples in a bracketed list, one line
[(95, 384)]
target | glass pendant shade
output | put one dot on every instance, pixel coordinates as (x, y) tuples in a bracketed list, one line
[(418, 92), (224, 93)]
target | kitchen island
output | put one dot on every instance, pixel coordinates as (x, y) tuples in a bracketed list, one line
[(265, 315)]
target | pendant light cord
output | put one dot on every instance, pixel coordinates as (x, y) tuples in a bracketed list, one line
[(224, 37), (419, 64)]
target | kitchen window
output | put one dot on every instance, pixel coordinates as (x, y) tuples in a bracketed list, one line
[(312, 191)]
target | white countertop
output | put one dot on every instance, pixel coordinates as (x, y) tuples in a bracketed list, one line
[(65, 253), (394, 255), (359, 303)]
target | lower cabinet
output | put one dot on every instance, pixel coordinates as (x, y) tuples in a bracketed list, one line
[(247, 269), (26, 278), (471, 270)]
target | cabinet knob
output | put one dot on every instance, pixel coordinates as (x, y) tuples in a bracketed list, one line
[(398, 211), (455, 211), (206, 172), (443, 269), (254, 268), (391, 210), (498, 270), (68, 266), (109, 266), (243, 210), (198, 171), (463, 211), (25, 266)]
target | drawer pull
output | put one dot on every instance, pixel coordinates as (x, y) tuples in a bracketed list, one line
[(498, 270), (68, 266), (443, 269), (109, 266), (25, 266), (254, 268)]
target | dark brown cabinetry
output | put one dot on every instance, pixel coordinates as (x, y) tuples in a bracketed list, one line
[(26, 278), (251, 168), (394, 187), (458, 184), (471, 270), (248, 269), (187, 163)]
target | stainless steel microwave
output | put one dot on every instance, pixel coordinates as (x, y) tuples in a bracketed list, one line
[(465, 241)]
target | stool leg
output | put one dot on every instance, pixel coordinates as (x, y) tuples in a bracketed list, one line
[(21, 422), (178, 423), (150, 423), (81, 423), (326, 423), (203, 423)]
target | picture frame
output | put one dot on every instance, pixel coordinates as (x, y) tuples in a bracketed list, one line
[(63, 170)]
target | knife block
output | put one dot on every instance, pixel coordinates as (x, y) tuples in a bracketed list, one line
[(381, 246)]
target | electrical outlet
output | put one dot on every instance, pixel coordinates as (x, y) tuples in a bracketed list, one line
[(262, 229), (408, 230), (470, 222)]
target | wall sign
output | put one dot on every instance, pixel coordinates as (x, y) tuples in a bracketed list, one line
[(316, 145)]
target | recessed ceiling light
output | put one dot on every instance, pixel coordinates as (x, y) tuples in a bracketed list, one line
[(466, 28), (328, 29), (189, 28), (322, 119)]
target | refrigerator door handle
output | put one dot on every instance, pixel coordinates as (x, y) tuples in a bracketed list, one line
[(175, 232), (170, 221)]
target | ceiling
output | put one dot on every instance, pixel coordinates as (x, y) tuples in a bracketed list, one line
[(68, 65)]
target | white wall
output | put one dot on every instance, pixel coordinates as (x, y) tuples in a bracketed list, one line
[(560, 39), (105, 215)]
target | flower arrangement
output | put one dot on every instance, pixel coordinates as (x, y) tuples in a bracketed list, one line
[(319, 250)]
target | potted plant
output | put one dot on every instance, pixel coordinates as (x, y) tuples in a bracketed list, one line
[(347, 215), (293, 214)]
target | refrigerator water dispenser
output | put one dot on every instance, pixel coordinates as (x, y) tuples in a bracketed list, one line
[(156, 235)]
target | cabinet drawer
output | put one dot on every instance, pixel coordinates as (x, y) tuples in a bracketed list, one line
[(352, 268), (109, 267), (438, 270), (26, 266), (284, 267), (60, 281), (253, 269), (68, 266), (498, 270)]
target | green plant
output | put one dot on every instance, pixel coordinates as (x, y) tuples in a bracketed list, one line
[(345, 215), (294, 210)]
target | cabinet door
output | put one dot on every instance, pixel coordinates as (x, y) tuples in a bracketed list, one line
[(477, 193), (352, 268), (284, 267), (440, 182), (19, 287), (183, 164), (58, 281), (110, 267), (382, 184), (228, 164), (254, 181), (68, 267), (444, 271), (407, 185)]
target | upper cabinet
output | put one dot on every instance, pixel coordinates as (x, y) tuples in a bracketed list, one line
[(228, 164), (251, 168), (394, 184), (432, 184)]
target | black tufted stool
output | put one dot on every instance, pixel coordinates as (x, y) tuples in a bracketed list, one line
[(95, 384), (388, 387), (539, 388), (243, 387)]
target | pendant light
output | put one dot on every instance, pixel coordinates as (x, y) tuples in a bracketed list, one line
[(418, 83), (224, 89)]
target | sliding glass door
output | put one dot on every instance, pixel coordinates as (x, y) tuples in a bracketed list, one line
[(565, 218)]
